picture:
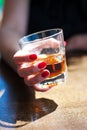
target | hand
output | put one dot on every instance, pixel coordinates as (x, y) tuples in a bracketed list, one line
[(31, 70)]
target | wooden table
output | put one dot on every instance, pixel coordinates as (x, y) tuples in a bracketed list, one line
[(64, 107)]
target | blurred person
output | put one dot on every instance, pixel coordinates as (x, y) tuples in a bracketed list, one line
[(22, 17)]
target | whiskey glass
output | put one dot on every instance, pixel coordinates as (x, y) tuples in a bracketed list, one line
[(49, 46)]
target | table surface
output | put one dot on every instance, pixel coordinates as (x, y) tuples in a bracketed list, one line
[(64, 107)]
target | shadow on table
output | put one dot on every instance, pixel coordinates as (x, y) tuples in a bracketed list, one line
[(18, 105), (19, 114)]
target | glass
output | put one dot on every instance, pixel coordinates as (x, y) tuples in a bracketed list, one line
[(49, 46)]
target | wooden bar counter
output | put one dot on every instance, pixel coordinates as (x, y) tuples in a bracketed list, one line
[(64, 107)]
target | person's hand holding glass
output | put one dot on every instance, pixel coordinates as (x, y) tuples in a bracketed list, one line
[(41, 60)]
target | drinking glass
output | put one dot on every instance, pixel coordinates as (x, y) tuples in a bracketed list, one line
[(49, 46)]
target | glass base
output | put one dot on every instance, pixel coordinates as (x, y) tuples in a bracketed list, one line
[(48, 83)]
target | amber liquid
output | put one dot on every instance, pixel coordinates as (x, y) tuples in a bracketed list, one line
[(56, 63)]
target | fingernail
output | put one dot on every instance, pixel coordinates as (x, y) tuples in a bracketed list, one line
[(33, 56), (41, 65), (45, 74)]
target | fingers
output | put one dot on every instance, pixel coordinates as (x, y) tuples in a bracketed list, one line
[(27, 69), (23, 56), (65, 43), (32, 72), (34, 79), (53, 43)]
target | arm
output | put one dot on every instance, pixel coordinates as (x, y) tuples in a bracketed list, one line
[(13, 26)]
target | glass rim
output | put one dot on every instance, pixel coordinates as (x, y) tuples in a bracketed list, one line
[(22, 42)]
